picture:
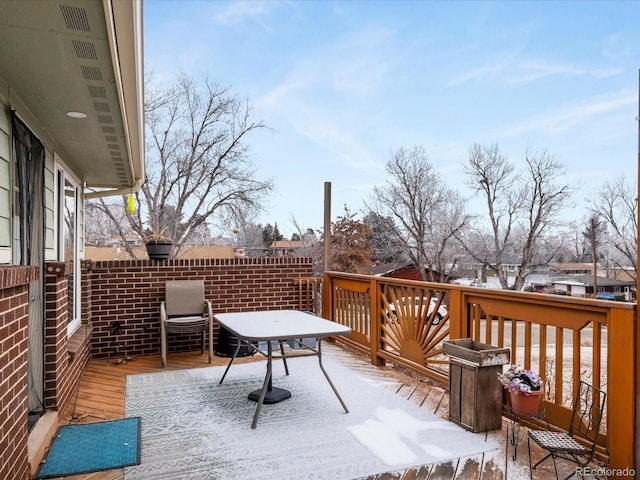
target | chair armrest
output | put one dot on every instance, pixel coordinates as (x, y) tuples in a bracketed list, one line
[(207, 304), (163, 312)]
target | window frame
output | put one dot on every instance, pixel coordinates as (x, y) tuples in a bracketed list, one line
[(64, 180)]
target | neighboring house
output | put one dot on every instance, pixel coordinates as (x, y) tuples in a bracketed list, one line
[(583, 285), (623, 273), (286, 248), (614, 272), (385, 269), (406, 271), (71, 128), (482, 273), (575, 268)]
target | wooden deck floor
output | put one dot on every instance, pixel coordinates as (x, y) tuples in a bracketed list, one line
[(101, 396)]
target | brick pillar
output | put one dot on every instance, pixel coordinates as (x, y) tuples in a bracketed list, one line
[(14, 344), (55, 332)]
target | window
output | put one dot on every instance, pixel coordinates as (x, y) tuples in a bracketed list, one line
[(68, 241)]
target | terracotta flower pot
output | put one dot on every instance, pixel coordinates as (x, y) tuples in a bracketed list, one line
[(525, 403)]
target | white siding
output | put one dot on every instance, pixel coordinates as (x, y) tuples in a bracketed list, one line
[(5, 186), (50, 243)]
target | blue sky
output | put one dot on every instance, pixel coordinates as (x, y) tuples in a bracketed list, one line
[(344, 84)]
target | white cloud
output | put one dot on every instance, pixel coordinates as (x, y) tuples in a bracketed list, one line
[(555, 121), (520, 72), (236, 14)]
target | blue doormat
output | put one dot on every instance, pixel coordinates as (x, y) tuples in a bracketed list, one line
[(92, 447)]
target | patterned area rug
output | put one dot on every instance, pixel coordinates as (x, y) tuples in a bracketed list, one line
[(193, 428)]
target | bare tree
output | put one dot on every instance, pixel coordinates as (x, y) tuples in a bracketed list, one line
[(99, 229), (522, 207), (309, 239), (617, 204), (422, 211), (198, 166)]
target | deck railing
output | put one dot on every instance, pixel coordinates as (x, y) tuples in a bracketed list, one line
[(310, 294), (406, 322)]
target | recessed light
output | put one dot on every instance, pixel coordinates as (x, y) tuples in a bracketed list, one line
[(76, 115)]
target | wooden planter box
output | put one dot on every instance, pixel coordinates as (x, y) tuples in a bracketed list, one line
[(475, 394)]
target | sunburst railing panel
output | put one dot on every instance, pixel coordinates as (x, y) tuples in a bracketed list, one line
[(564, 339)]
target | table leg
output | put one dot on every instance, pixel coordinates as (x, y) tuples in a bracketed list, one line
[(335, 390), (284, 359), (268, 393), (233, 357)]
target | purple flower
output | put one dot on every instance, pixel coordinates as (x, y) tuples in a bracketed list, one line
[(519, 379)]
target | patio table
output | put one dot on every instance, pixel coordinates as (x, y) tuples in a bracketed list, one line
[(279, 325)]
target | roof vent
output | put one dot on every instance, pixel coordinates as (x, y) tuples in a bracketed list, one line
[(101, 106), (91, 73), (97, 92), (85, 49), (75, 18)]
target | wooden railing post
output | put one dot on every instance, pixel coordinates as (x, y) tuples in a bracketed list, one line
[(376, 318), (458, 321), (621, 395), (636, 362), (327, 297)]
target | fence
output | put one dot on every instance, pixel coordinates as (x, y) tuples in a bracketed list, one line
[(564, 339)]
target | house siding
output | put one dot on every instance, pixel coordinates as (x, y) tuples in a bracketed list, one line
[(5, 188), (130, 292), (50, 247), (14, 319)]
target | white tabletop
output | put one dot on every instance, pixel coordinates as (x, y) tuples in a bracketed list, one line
[(279, 325)]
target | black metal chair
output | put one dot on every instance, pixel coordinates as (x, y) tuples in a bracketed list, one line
[(578, 445)]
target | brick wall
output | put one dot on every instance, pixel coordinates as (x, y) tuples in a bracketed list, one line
[(65, 358), (14, 320), (125, 297), (128, 292)]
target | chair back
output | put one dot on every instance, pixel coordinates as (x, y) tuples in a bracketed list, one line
[(588, 410), (184, 297)]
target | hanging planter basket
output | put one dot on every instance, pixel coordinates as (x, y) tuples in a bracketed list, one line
[(159, 250)]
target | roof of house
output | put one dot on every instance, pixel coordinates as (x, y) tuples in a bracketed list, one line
[(84, 58), (573, 266), (287, 244), (382, 269), (587, 280)]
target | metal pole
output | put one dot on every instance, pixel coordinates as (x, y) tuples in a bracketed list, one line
[(327, 225)]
